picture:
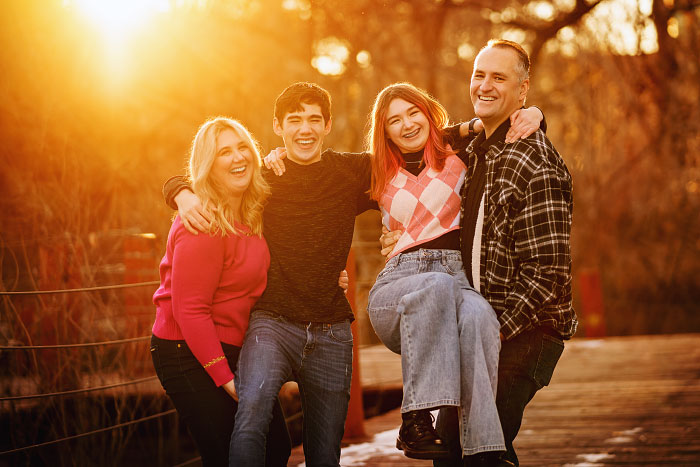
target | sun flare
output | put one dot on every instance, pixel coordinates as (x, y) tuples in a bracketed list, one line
[(117, 20), (116, 23)]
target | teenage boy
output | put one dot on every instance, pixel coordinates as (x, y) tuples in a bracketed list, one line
[(300, 328)]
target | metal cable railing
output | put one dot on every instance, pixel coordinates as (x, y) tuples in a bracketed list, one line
[(80, 345), (71, 346), (91, 389), (77, 391), (82, 289), (88, 433)]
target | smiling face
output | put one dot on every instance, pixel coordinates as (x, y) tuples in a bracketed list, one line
[(232, 169), (406, 126), (497, 89), (303, 132)]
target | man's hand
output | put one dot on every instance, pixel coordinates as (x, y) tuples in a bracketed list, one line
[(388, 240), (523, 123), (274, 162), (230, 388), (344, 281), (194, 217)]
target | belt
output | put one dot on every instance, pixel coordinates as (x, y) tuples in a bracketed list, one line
[(301, 324)]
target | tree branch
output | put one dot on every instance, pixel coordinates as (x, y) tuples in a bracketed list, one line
[(548, 29)]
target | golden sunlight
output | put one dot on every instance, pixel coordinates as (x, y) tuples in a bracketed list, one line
[(331, 54), (623, 27), (116, 23), (116, 20)]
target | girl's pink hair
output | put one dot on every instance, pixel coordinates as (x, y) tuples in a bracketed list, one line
[(386, 157)]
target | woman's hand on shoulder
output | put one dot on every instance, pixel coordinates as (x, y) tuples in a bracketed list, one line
[(523, 123), (274, 162)]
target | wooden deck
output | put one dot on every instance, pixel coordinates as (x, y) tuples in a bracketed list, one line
[(615, 401)]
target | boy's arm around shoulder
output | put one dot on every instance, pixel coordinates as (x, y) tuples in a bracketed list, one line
[(359, 165), (172, 187), (179, 196)]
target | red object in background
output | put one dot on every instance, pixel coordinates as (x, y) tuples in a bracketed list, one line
[(140, 265), (60, 315), (355, 422), (592, 311)]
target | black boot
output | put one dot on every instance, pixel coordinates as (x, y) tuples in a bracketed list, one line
[(417, 437)]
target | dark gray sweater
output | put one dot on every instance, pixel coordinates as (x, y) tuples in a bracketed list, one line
[(308, 224)]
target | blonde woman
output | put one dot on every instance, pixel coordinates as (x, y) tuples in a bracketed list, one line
[(209, 282)]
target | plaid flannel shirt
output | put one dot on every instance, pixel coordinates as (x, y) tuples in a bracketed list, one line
[(525, 246)]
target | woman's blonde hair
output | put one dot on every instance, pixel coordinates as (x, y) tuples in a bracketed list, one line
[(212, 195)]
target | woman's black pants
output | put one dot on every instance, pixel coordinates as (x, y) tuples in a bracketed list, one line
[(208, 411)]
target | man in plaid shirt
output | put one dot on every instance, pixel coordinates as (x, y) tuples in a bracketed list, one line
[(516, 225)]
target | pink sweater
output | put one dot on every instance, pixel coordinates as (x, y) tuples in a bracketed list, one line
[(425, 206), (208, 284)]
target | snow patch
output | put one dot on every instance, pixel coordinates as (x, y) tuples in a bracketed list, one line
[(382, 444)]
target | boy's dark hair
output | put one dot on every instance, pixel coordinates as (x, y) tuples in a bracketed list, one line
[(307, 93)]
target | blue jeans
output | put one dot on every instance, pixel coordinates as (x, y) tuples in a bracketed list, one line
[(207, 410), (526, 365), (318, 357), (422, 307)]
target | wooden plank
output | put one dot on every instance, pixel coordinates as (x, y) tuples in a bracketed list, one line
[(379, 367), (613, 401)]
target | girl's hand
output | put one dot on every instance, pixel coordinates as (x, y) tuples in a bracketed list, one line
[(274, 162), (523, 123)]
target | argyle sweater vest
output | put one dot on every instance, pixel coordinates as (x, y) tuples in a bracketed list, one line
[(425, 206)]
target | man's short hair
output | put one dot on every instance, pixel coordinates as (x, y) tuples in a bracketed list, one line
[(523, 66), (293, 96)]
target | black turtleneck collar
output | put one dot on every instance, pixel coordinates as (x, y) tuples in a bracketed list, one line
[(413, 156), (414, 161), (482, 144)]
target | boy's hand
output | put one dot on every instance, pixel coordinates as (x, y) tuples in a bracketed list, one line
[(194, 217)]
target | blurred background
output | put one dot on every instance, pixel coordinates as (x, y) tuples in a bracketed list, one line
[(99, 101)]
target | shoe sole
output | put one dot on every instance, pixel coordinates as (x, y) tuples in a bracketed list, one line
[(413, 454)]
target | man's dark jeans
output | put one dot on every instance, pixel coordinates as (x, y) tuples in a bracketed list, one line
[(525, 366)]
